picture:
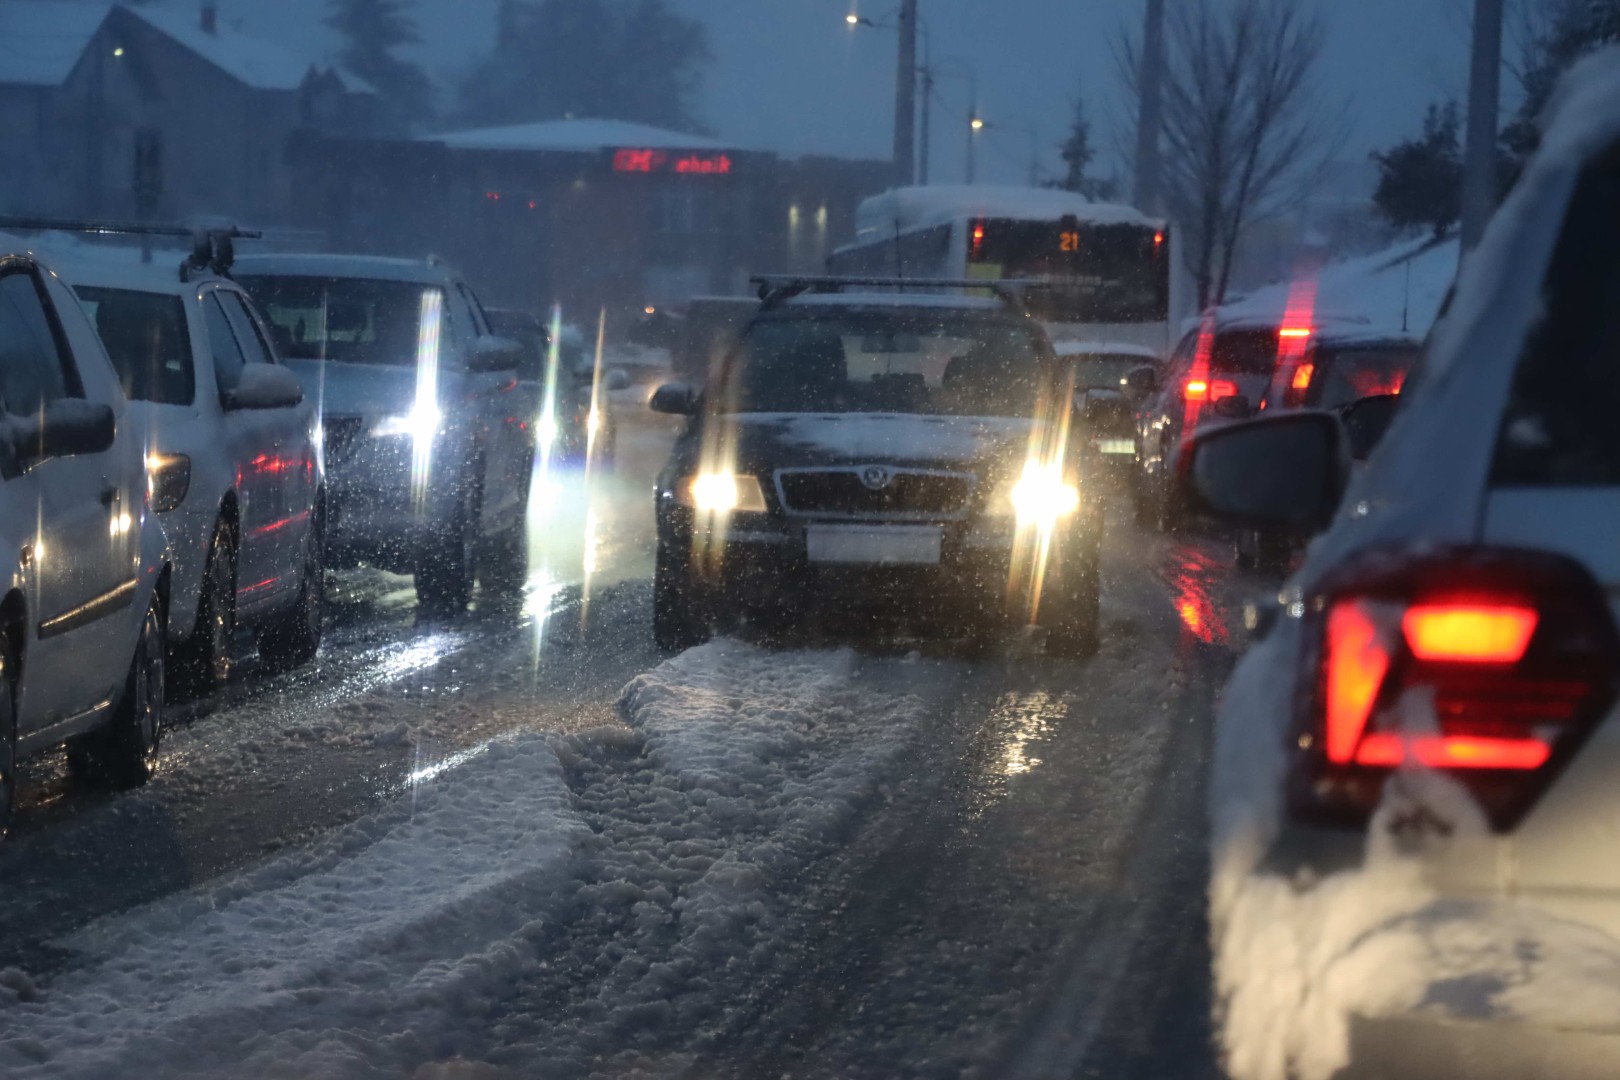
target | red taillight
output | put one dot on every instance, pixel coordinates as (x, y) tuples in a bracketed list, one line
[(1222, 388), (1491, 665), (1302, 377), (1197, 390), (1469, 633)]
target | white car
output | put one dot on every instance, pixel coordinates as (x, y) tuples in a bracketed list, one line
[(1416, 790), (83, 584), (235, 470)]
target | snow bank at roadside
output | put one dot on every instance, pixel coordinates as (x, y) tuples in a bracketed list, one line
[(1296, 957), (545, 901)]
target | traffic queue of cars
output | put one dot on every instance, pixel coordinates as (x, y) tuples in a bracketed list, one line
[(184, 455)]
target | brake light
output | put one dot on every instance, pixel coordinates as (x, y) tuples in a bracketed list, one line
[(1469, 633), (1302, 376), (1197, 390), (1294, 332), (1493, 666), (1221, 388)]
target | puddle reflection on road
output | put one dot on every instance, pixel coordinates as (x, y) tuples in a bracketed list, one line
[(1014, 733)]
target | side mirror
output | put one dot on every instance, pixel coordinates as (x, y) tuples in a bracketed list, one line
[(675, 399), (1140, 382), (616, 379), (1284, 473), (1233, 407), (65, 427), (1365, 422), (265, 386), (491, 355)]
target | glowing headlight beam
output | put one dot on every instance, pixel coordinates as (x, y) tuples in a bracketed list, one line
[(1041, 496), (724, 492), (423, 421)]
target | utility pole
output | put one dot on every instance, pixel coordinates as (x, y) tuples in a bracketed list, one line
[(1150, 109), (905, 96), (1479, 155), (925, 134), (975, 125)]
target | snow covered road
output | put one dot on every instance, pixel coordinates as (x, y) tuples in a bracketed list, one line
[(522, 845)]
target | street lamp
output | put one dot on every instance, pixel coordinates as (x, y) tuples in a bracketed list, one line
[(927, 72)]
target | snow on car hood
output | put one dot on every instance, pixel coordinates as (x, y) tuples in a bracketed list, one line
[(363, 389), (773, 440)]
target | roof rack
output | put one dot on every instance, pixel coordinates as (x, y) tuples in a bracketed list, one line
[(212, 247), (775, 289)]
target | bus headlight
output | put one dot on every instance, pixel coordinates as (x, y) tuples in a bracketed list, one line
[(1041, 497), (723, 492)]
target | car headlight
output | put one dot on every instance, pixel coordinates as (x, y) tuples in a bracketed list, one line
[(723, 492), (1041, 496), (545, 429), (422, 422)]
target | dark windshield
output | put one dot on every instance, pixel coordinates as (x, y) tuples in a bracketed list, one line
[(354, 320), (911, 362), (1243, 352), (146, 339)]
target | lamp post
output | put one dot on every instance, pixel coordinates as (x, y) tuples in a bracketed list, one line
[(975, 125), (927, 73)]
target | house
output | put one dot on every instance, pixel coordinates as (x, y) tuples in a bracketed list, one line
[(147, 111)]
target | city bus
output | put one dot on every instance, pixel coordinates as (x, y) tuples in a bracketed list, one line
[(1098, 272)]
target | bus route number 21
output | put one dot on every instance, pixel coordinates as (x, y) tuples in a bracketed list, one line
[(1068, 241)]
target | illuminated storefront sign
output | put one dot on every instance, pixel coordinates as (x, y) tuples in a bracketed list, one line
[(666, 161)]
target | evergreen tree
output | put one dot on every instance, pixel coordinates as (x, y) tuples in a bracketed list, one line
[(632, 60), (1568, 31), (372, 30), (1420, 180), (1076, 150)]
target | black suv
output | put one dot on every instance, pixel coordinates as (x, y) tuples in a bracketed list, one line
[(883, 453)]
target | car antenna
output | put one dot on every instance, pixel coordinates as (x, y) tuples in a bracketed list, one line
[(1406, 297)]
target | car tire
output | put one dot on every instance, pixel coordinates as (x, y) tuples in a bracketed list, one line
[(8, 739), (447, 561), (1073, 631), (291, 639), (203, 663), (680, 618), (123, 753)]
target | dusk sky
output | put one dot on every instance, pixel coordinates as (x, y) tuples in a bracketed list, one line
[(789, 75)]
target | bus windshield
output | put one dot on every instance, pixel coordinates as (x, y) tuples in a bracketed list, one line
[(1088, 273)]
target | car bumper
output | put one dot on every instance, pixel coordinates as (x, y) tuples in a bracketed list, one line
[(984, 568), (380, 503)]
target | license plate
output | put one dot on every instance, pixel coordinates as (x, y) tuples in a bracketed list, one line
[(881, 545), (1116, 446)]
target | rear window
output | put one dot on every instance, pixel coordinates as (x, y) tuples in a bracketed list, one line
[(353, 320), (1560, 428), (1344, 376), (146, 338), (1243, 352), (1103, 371)]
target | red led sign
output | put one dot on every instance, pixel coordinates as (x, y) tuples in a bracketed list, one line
[(662, 161)]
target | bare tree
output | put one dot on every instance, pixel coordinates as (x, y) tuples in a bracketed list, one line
[(1245, 131)]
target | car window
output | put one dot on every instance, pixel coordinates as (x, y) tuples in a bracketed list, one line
[(1559, 426), (351, 320), (1105, 371), (1344, 375), (254, 348), (887, 362), (147, 339), (33, 366), (480, 319), (1243, 352), (223, 346)]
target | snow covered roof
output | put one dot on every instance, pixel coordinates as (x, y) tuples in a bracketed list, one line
[(575, 135), (250, 60), (901, 209), (1104, 348), (1403, 285), (41, 40)]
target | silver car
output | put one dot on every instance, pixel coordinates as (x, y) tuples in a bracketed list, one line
[(427, 447)]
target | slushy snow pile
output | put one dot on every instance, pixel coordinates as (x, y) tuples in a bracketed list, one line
[(650, 856)]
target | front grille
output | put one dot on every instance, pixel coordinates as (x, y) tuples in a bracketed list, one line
[(843, 493), (339, 434)]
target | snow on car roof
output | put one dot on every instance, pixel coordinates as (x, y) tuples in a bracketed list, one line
[(902, 209), (43, 39), (575, 135), (158, 277), (373, 267), (1117, 348)]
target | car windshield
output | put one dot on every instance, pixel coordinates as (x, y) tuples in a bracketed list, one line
[(1104, 371), (352, 320), (147, 340), (885, 362)]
